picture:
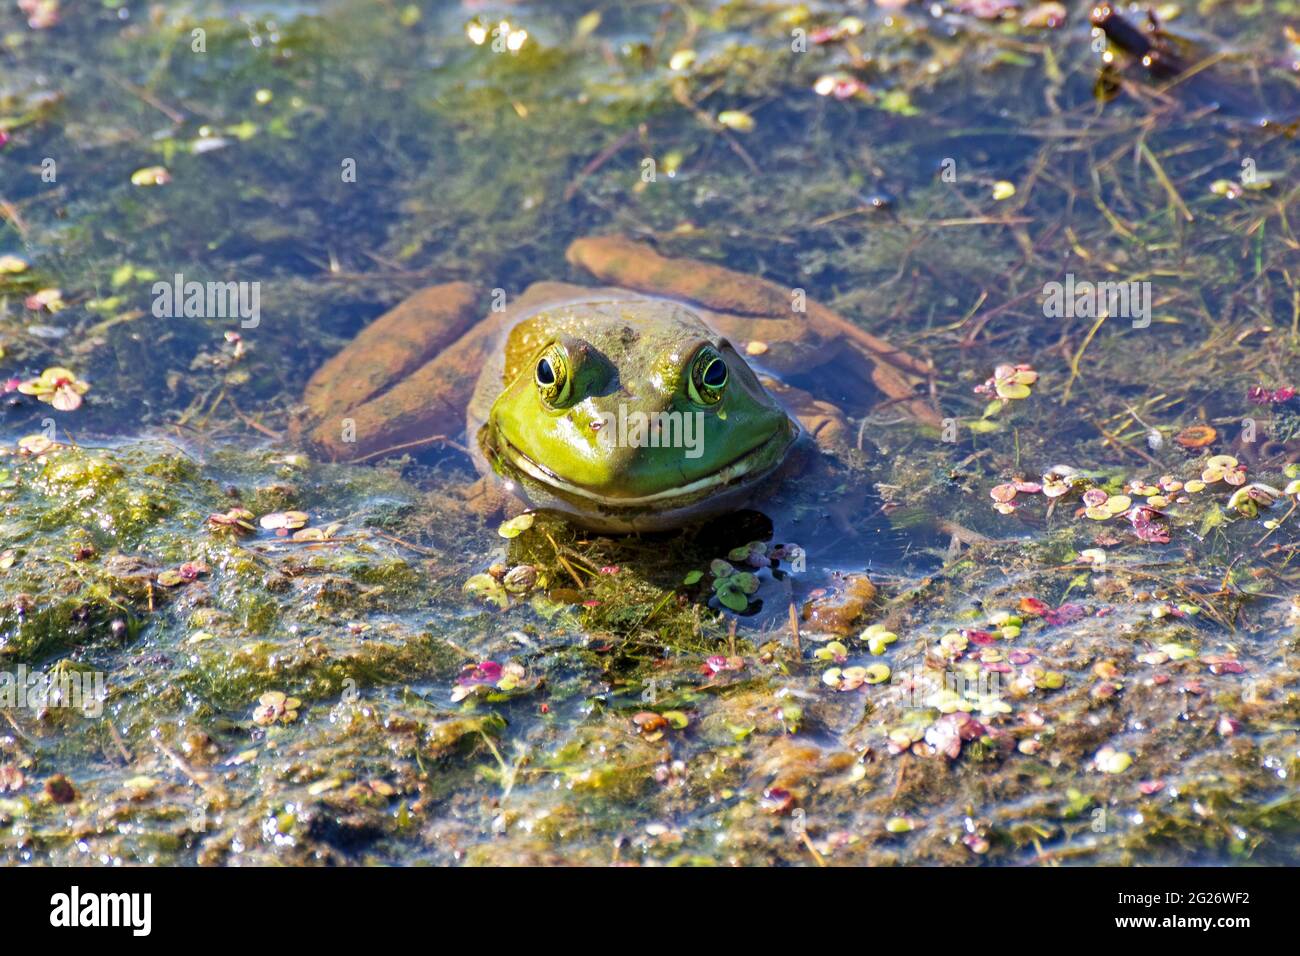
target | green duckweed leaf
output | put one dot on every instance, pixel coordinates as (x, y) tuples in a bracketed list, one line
[(515, 526)]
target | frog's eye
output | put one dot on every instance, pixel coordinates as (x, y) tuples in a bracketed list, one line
[(708, 377), (552, 375)]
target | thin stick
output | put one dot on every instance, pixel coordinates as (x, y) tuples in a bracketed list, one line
[(1279, 524), (9, 212), (1121, 444), (418, 443), (405, 544), (658, 607), (14, 724), (1164, 180), (1074, 362), (179, 763), (121, 746), (600, 159), (258, 426), (565, 564), (898, 784), (811, 849), (175, 116)]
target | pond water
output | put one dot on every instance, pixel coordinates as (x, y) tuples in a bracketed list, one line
[(1041, 610)]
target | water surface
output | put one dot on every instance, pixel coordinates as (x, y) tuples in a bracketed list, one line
[(927, 171)]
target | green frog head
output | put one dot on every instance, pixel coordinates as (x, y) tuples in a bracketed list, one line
[(631, 414)]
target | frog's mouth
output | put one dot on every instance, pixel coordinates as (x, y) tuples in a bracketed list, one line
[(749, 467)]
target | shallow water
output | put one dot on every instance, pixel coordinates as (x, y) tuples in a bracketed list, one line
[(1140, 710)]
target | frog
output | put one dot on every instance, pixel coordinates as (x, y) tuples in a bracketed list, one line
[(655, 397)]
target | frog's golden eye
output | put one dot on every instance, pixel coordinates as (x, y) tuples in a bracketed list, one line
[(552, 375), (708, 377)]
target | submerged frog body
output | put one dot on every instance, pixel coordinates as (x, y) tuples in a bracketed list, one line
[(627, 408)]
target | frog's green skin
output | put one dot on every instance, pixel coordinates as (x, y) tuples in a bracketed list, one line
[(430, 367), (630, 362)]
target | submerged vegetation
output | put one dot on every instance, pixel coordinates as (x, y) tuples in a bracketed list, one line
[(1061, 627)]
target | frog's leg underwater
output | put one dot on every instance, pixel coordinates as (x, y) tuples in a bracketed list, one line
[(789, 336), (760, 317), (355, 406), (406, 381), (409, 378)]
